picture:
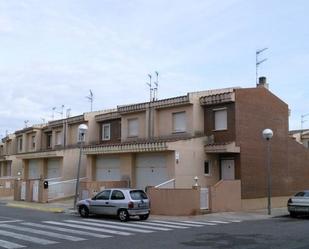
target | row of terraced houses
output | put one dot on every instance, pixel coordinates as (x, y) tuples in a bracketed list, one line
[(203, 150)]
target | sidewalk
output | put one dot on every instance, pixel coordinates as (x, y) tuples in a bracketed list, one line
[(66, 206), (62, 206)]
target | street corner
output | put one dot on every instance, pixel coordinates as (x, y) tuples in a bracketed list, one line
[(39, 207)]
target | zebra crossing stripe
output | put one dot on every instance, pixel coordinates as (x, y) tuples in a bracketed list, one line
[(200, 223), (88, 228), (218, 221), (130, 229), (49, 234), (9, 221), (27, 238), (175, 223), (161, 225), (236, 221), (130, 225), (9, 245), (61, 229)]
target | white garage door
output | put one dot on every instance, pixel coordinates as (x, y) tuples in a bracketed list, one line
[(53, 168), (34, 172), (108, 169), (151, 170)]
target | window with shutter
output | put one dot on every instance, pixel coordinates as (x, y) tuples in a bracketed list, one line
[(179, 122), (133, 127), (220, 119)]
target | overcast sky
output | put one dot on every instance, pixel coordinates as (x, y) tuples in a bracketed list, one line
[(53, 51)]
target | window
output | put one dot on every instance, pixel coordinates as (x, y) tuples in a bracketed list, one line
[(138, 195), (220, 119), (58, 138), (104, 195), (207, 168), (49, 140), (117, 195), (20, 144), (106, 132), (33, 141), (9, 169), (179, 122), (133, 127)]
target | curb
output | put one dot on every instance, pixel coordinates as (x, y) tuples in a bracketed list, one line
[(45, 209)]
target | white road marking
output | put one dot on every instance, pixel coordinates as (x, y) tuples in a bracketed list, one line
[(128, 224), (218, 221), (200, 223), (27, 238), (119, 227), (9, 221), (236, 221), (160, 225), (88, 228), (49, 234), (61, 229), (178, 223), (9, 245)]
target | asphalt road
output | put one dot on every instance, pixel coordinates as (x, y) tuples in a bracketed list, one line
[(22, 228)]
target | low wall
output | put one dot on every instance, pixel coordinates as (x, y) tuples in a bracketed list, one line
[(174, 201), (261, 203), (89, 188), (6, 187), (225, 196)]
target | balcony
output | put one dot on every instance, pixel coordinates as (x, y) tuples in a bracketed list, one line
[(218, 98), (228, 147), (126, 148)]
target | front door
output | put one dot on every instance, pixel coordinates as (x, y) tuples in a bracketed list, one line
[(100, 203), (227, 169), (35, 190)]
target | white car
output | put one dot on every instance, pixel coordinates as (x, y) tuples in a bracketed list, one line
[(299, 204), (118, 202)]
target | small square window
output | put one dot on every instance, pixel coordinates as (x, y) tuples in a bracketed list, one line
[(106, 132), (207, 168)]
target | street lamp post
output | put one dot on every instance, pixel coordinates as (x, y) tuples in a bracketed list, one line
[(267, 135), (82, 130)]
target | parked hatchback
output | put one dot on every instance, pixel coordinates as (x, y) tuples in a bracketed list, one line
[(118, 202), (299, 204)]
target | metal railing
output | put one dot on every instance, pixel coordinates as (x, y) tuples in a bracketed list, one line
[(168, 184), (61, 189)]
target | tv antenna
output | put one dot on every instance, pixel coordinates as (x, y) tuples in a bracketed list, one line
[(150, 87), (68, 112), (90, 99), (258, 62), (53, 113), (155, 89)]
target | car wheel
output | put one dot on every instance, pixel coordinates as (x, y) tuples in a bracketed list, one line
[(123, 215), (293, 214), (83, 211), (144, 216)]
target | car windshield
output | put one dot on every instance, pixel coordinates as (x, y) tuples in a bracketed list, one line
[(299, 194), (138, 195)]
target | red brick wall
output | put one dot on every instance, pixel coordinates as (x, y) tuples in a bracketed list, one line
[(257, 109)]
